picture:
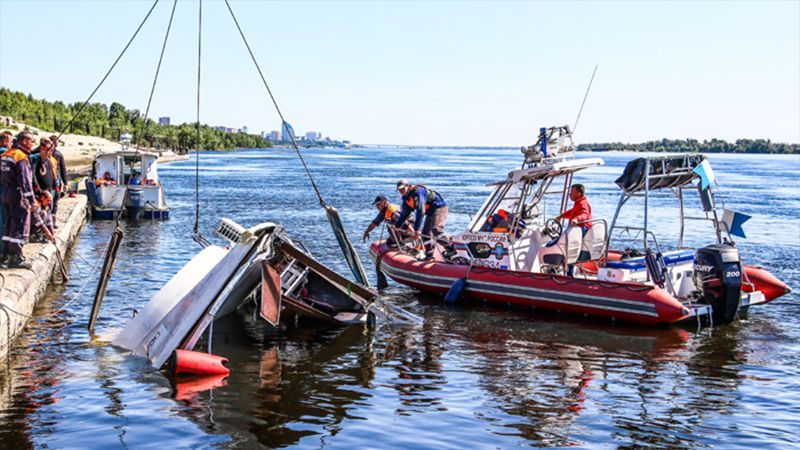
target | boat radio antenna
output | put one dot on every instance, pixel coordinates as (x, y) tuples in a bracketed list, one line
[(585, 96)]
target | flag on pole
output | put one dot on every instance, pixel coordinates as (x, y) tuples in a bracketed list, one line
[(732, 222), (706, 174)]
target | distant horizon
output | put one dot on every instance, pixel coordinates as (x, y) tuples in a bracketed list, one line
[(423, 145), (430, 73)]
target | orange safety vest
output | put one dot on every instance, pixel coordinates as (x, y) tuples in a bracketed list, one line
[(16, 154), (501, 227), (389, 211)]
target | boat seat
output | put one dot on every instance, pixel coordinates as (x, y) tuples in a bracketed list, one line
[(594, 242), (556, 251), (670, 259)]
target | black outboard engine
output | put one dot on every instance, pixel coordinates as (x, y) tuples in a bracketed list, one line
[(718, 273)]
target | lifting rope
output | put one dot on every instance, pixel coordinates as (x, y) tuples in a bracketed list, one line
[(110, 69), (335, 220), (275, 103), (155, 78), (117, 235), (196, 230)]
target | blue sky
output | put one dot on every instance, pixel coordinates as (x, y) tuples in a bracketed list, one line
[(460, 73)]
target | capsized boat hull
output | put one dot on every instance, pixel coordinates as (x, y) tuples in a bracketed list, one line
[(630, 302)]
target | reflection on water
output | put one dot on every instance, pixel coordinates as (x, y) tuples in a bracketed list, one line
[(471, 376)]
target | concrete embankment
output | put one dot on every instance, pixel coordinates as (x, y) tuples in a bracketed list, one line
[(23, 288)]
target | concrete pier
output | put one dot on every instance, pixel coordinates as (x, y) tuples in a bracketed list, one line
[(21, 289)]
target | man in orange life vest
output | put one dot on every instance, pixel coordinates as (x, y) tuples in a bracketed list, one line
[(386, 212), (425, 202), (18, 201), (581, 211), (501, 221)]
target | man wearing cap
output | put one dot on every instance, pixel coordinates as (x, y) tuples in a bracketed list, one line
[(427, 203), (18, 201), (386, 212)]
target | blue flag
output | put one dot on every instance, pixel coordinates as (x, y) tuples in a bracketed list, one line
[(732, 222), (706, 174)]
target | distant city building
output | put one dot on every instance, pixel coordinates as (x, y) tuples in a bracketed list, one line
[(313, 135), (231, 130), (287, 132), (275, 136), (219, 128), (244, 129), (264, 134), (163, 121)]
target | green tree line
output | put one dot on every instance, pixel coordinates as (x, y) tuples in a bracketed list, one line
[(693, 145), (110, 122)]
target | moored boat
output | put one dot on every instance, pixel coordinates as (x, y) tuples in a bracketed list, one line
[(538, 261), (126, 182)]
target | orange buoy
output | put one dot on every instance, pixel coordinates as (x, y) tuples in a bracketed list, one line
[(188, 361)]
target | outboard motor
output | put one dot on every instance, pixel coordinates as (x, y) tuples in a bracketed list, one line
[(718, 273)]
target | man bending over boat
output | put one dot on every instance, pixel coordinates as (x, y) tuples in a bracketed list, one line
[(581, 211), (427, 203), (389, 213)]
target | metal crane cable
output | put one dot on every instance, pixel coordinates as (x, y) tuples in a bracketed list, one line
[(110, 69), (275, 103), (349, 251)]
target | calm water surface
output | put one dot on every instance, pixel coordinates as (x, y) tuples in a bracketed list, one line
[(471, 377)]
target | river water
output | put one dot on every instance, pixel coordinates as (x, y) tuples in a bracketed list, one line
[(472, 376)]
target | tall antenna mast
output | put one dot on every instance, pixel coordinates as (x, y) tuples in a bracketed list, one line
[(585, 96)]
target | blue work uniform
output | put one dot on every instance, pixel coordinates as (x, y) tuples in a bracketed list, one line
[(16, 179), (427, 203)]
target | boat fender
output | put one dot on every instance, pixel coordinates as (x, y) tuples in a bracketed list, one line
[(454, 293), (656, 267), (188, 361)]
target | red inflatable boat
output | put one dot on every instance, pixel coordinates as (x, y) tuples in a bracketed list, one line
[(538, 261)]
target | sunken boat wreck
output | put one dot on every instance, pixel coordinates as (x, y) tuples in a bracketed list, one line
[(264, 272)]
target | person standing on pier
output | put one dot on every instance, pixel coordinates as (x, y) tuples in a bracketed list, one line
[(45, 180), (18, 201), (6, 138), (61, 188)]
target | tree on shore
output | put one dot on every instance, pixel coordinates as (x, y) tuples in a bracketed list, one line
[(110, 122), (693, 145)]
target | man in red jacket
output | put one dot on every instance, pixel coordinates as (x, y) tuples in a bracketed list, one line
[(581, 211)]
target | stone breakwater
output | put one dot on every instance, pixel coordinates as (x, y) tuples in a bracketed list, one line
[(21, 289)]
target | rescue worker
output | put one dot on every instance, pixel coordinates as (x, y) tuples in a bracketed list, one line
[(501, 221), (387, 212), (45, 180), (18, 201), (427, 203), (581, 211), (61, 186), (5, 143)]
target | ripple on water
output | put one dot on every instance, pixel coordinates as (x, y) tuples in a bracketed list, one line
[(471, 376)]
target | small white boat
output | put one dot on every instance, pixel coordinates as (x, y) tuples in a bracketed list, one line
[(126, 182)]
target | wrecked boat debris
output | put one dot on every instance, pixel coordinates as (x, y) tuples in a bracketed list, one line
[(263, 268)]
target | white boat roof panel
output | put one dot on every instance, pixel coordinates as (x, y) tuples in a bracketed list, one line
[(552, 169)]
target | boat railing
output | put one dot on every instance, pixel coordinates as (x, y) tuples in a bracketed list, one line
[(628, 229)]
